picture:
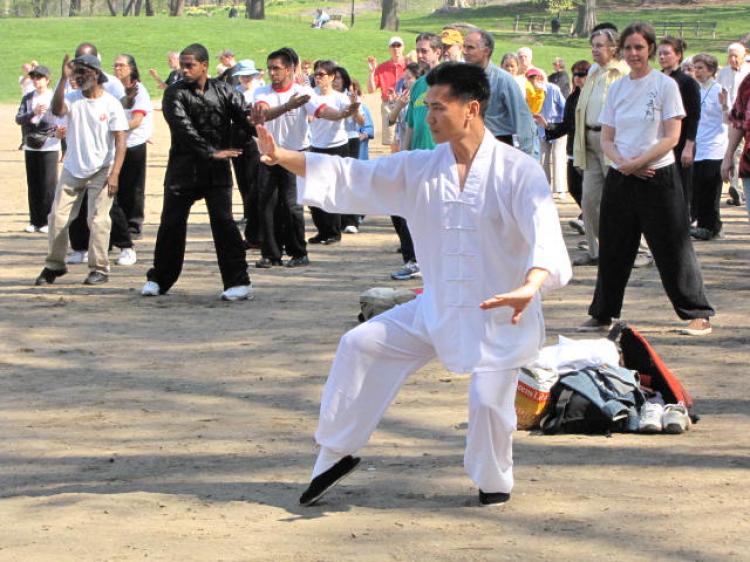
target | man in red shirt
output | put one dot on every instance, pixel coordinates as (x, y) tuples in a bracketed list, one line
[(383, 77)]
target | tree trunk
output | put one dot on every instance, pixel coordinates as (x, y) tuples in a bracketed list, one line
[(138, 5), (586, 20), (75, 8), (149, 8), (389, 16), (112, 8), (127, 9), (175, 7), (255, 9)]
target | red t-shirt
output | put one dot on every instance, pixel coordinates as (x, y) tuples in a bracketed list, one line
[(739, 117), (386, 75)]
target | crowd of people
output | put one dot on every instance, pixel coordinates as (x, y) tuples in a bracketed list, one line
[(478, 154)]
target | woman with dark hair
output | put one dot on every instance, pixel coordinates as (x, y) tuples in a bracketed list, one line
[(671, 52), (642, 193), (710, 144)]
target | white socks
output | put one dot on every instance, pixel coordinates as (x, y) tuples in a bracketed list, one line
[(326, 459)]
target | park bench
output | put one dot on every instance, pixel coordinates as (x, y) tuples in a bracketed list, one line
[(336, 17), (680, 27), (540, 25)]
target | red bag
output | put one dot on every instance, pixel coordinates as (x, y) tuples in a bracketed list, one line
[(637, 354)]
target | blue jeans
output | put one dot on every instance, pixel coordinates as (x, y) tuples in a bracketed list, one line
[(746, 185)]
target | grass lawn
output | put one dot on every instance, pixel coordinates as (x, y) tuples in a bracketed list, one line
[(148, 39)]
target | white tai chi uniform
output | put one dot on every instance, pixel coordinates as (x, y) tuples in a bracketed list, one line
[(471, 245)]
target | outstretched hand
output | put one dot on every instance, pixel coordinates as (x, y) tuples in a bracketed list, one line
[(517, 299), (266, 146), (67, 69)]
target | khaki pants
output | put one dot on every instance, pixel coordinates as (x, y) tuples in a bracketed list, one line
[(69, 196), (593, 185), (387, 132)]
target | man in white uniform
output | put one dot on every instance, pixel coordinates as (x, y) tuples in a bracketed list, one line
[(488, 238)]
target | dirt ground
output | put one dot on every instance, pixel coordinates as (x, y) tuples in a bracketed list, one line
[(180, 428)]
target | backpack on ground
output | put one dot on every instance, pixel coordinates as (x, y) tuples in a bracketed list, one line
[(379, 299)]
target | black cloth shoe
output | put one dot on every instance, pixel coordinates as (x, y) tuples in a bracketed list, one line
[(734, 197), (492, 498), (331, 240), (48, 276), (317, 239), (96, 278), (252, 245), (301, 261), (267, 263), (325, 481)]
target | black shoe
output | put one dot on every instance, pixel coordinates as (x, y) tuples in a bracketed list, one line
[(267, 263), (301, 261), (492, 498), (331, 240), (48, 276), (96, 278), (734, 197), (324, 482), (317, 239), (252, 245)]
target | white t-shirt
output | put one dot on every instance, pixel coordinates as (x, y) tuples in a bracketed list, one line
[(52, 143), (91, 145), (142, 105), (290, 130), (711, 140), (325, 133), (637, 109)]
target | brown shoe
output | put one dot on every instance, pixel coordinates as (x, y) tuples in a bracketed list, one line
[(697, 327)]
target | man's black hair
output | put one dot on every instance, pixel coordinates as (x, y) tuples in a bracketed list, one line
[(604, 25), (197, 51), (284, 56), (436, 43), (467, 82)]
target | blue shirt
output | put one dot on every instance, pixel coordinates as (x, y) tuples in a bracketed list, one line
[(507, 112), (553, 108)]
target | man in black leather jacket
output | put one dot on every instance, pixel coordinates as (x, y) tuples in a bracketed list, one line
[(200, 112)]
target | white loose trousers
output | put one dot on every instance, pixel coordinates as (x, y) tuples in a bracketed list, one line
[(372, 362)]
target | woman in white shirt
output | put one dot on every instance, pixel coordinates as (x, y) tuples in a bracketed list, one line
[(41, 148), (710, 145), (641, 122)]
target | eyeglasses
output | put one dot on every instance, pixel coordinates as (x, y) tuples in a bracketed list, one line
[(320, 74), (119, 65)]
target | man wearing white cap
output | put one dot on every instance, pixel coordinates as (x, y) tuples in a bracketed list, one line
[(383, 77)]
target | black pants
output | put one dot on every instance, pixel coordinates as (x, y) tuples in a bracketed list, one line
[(328, 224), (575, 182), (131, 196), (404, 237), (283, 220), (707, 184), (246, 170), (655, 208), (686, 179), (41, 179), (119, 235), (353, 152), (169, 253)]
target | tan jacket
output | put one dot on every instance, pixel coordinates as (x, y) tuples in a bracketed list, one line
[(615, 70)]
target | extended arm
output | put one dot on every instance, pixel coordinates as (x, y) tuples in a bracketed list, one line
[(262, 112), (58, 98), (182, 127), (518, 299)]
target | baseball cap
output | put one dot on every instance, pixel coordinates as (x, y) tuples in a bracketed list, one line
[(530, 73), (451, 37), (245, 67), (91, 61), (40, 71), (395, 39)]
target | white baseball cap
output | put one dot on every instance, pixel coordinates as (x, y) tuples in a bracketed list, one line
[(395, 39)]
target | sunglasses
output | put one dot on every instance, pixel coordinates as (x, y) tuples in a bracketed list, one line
[(320, 74), (580, 74)]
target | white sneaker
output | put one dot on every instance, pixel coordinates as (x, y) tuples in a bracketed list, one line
[(127, 257), (238, 293), (30, 229), (675, 419), (151, 289), (651, 414), (77, 257), (351, 229), (43, 229)]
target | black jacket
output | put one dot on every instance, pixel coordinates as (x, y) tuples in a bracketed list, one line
[(200, 124), (690, 92), (24, 115), (568, 125)]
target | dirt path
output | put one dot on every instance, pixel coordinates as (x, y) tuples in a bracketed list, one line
[(180, 428)]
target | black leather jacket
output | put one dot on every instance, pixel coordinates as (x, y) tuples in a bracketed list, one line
[(201, 124)]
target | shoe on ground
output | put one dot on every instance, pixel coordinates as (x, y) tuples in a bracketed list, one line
[(583, 245), (595, 325), (585, 260), (30, 229), (238, 293), (675, 419), (151, 289), (252, 245), (301, 261), (43, 229), (578, 226), (735, 198), (330, 241), (650, 418), (493, 498), (267, 263), (328, 479), (697, 327), (410, 270), (127, 257), (75, 257), (317, 239), (351, 229), (48, 276), (643, 260), (96, 278)]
